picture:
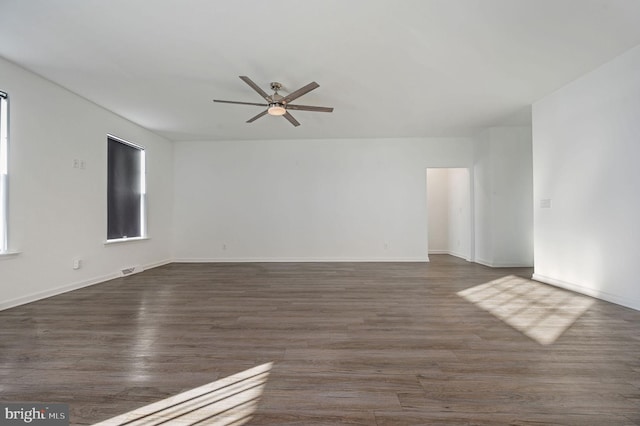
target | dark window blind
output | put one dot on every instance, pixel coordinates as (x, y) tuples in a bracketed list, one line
[(124, 201)]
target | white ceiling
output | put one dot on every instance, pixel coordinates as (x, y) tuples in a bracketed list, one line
[(391, 68)]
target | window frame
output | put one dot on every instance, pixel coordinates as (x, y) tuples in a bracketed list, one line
[(4, 173), (142, 218)]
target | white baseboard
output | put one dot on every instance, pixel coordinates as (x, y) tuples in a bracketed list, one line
[(450, 253), (598, 294), (295, 259), (502, 264), (55, 291), (460, 255), (156, 264), (69, 287), (483, 262)]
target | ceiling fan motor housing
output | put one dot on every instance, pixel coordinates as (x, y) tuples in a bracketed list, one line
[(276, 107), (275, 86)]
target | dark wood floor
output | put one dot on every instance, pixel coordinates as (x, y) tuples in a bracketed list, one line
[(351, 343)]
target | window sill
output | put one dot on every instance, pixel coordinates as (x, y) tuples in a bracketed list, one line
[(125, 240), (9, 254)]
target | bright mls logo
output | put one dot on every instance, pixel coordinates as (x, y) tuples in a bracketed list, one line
[(28, 413)]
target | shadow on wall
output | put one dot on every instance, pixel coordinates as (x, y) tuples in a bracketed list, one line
[(228, 401), (537, 310)]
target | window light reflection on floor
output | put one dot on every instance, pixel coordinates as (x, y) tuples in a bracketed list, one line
[(225, 402), (539, 311)]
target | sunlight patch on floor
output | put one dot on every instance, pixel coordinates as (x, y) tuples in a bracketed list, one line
[(225, 402), (539, 311)]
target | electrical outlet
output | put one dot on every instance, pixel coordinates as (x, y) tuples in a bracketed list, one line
[(77, 263)]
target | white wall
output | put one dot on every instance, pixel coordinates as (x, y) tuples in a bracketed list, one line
[(459, 213), (482, 203), (57, 212), (307, 199), (503, 197), (438, 210), (586, 149)]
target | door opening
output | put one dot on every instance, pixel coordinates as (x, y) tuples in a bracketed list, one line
[(449, 218)]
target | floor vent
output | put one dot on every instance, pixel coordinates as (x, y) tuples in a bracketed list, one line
[(131, 270)]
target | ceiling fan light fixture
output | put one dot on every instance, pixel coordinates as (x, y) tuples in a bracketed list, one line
[(276, 109)]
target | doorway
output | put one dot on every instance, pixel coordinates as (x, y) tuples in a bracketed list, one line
[(449, 219)]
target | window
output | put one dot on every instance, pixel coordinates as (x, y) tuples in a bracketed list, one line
[(125, 190), (4, 170)]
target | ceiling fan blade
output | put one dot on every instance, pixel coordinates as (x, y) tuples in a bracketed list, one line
[(303, 90), (291, 119), (240, 103), (255, 87), (251, 120), (309, 108)]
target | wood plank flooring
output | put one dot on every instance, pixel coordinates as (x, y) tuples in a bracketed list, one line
[(350, 343)]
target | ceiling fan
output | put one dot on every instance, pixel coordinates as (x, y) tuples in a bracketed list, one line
[(278, 104)]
